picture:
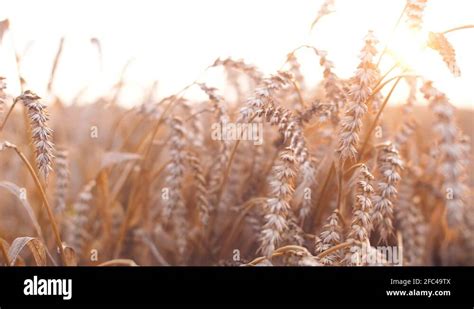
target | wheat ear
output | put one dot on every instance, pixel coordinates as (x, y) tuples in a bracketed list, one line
[(360, 90), (331, 235), (440, 43), (361, 224), (451, 155), (278, 206), (414, 12), (77, 230), (41, 133), (62, 179), (389, 165)]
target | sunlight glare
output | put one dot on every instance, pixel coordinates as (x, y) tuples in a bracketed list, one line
[(409, 49)]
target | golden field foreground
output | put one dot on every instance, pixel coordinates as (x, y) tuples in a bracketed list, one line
[(276, 172)]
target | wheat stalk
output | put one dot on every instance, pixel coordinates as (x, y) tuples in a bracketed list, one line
[(331, 235), (440, 43), (8, 145), (175, 207), (414, 12), (240, 65), (41, 133), (202, 202), (326, 8), (216, 176), (334, 87), (411, 222), (389, 165), (451, 171), (361, 223), (277, 206), (196, 199), (62, 179), (360, 90), (77, 229)]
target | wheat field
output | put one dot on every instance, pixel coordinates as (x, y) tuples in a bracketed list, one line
[(280, 171)]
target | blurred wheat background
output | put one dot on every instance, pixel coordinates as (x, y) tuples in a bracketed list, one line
[(133, 133)]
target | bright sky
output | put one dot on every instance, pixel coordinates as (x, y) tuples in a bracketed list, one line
[(174, 41)]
